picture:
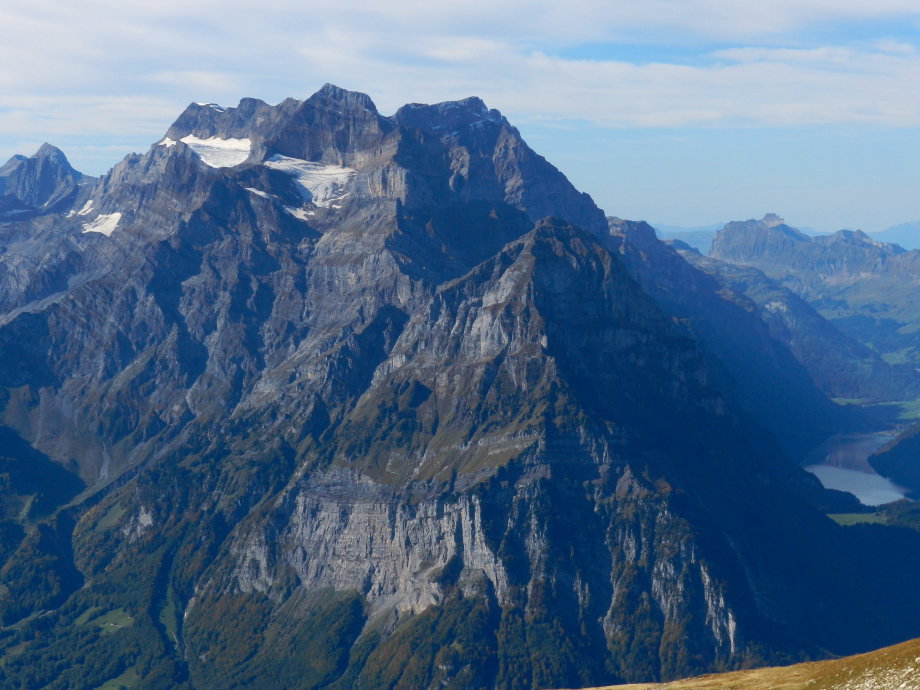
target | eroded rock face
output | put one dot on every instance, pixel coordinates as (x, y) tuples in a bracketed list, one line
[(351, 413), (634, 562)]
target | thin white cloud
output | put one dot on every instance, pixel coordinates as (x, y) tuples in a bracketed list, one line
[(747, 86), (200, 81), (83, 116), (125, 69)]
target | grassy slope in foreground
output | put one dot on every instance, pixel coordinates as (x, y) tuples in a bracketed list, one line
[(884, 669)]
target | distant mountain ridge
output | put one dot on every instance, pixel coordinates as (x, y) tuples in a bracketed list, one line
[(44, 182), (866, 288), (906, 235), (839, 365)]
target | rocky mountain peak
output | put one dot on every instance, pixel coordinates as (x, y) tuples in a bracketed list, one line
[(853, 237), (450, 116), (14, 159), (45, 181), (771, 220), (46, 155), (209, 120), (50, 152), (754, 237), (639, 234), (334, 95), (333, 126), (858, 238)]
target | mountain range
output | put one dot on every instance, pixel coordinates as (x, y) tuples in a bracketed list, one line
[(865, 288), (310, 396), (907, 235)]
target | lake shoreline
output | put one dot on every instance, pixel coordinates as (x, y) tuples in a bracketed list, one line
[(842, 463)]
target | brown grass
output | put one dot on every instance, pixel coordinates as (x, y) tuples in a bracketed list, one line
[(884, 669)]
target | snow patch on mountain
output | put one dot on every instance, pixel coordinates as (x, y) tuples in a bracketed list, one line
[(300, 213), (105, 224), (319, 183), (167, 142), (217, 152), (86, 210), (258, 192)]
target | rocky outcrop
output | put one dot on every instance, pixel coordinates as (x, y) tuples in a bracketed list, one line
[(344, 533)]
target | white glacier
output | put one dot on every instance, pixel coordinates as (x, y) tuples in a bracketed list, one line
[(217, 152), (104, 224), (87, 208), (318, 183)]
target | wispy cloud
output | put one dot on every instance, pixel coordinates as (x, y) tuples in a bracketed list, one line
[(118, 69)]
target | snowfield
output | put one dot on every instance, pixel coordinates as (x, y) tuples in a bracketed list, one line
[(319, 183), (300, 213), (258, 192), (86, 210), (217, 152), (105, 224)]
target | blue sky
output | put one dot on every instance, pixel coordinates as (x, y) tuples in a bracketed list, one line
[(682, 112)]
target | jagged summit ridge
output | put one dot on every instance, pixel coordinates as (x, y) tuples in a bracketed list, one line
[(443, 155), (252, 115), (336, 148)]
